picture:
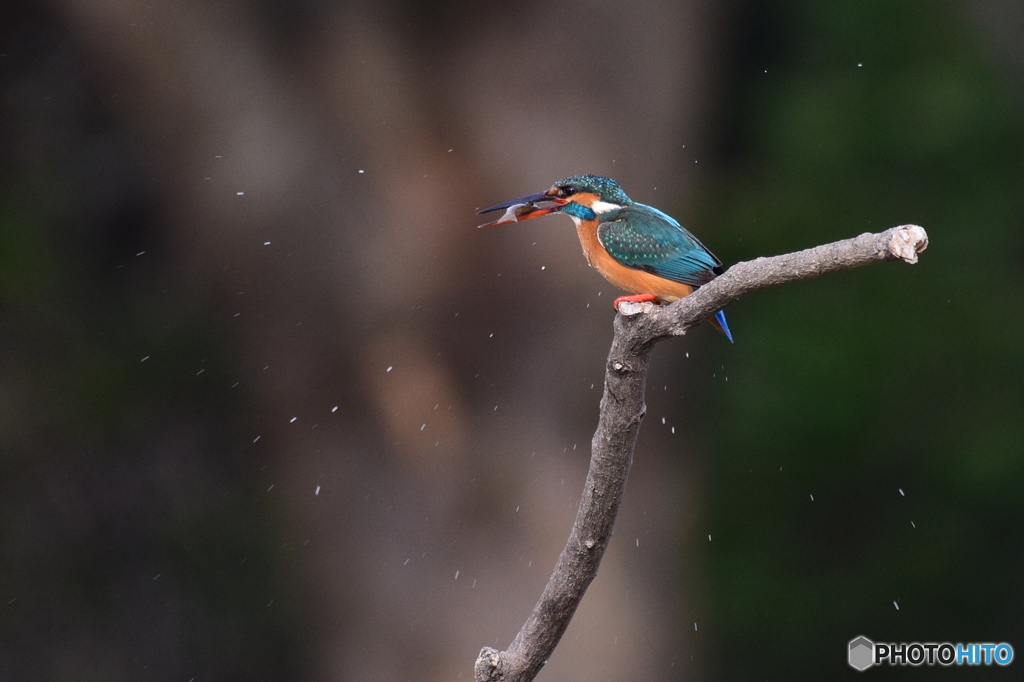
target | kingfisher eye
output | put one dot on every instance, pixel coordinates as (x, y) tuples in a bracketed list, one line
[(567, 190)]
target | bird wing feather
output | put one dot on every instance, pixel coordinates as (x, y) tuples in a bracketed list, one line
[(644, 238)]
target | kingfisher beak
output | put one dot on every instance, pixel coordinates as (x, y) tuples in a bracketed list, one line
[(525, 208)]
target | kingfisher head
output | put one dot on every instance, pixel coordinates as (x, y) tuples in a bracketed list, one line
[(584, 197)]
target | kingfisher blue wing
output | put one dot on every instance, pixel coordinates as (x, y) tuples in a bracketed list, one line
[(644, 238)]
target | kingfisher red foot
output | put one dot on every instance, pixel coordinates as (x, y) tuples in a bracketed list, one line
[(635, 298), (634, 246)]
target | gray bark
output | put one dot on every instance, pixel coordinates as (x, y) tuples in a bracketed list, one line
[(638, 327)]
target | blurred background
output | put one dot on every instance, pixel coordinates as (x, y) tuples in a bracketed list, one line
[(272, 408)]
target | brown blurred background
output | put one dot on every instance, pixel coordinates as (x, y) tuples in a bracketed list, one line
[(272, 408)]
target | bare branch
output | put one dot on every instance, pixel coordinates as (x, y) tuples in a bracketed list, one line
[(637, 329)]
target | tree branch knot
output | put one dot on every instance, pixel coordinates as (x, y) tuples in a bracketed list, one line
[(907, 241), (489, 666)]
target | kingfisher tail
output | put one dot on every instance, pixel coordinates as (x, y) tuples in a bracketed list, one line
[(719, 323)]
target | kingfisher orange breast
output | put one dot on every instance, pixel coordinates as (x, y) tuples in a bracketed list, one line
[(628, 279)]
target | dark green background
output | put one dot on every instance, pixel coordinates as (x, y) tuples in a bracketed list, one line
[(878, 381)]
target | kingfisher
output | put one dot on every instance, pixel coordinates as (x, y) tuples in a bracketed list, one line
[(634, 246)]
